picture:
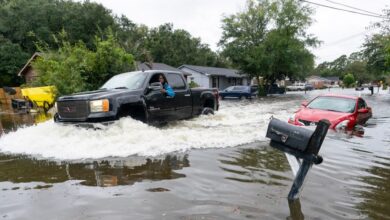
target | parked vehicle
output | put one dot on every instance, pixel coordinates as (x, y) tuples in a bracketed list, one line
[(137, 94), (275, 89), (343, 112), (309, 87), (238, 92), (296, 87)]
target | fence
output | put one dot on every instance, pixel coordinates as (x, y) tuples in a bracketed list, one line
[(5, 98)]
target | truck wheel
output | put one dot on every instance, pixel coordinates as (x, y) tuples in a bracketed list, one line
[(55, 118), (207, 111)]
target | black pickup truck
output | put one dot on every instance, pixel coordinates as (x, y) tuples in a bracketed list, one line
[(137, 94)]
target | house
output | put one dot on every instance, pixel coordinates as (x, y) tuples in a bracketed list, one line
[(334, 80), (27, 72), (318, 82), (214, 77), (158, 66)]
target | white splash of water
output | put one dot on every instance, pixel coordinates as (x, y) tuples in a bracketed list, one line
[(236, 124)]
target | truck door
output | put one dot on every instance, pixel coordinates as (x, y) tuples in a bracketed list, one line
[(160, 107), (183, 98)]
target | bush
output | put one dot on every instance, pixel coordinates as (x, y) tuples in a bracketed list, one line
[(193, 84), (75, 68), (348, 80)]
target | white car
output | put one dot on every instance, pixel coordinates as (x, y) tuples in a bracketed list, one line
[(296, 87)]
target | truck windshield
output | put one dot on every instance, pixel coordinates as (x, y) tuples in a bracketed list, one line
[(126, 81)]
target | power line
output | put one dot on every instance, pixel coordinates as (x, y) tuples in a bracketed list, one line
[(340, 9), (348, 6), (345, 39)]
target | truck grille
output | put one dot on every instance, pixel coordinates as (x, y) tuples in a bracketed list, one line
[(76, 110)]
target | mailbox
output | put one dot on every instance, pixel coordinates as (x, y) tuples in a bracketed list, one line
[(301, 143), (291, 136)]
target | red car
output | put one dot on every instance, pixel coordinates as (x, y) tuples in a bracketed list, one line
[(343, 112)]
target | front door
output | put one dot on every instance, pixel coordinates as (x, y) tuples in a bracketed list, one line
[(183, 99), (160, 106)]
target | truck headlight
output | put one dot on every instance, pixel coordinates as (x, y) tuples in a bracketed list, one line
[(102, 105), (342, 125)]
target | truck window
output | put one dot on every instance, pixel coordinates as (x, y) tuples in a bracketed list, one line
[(176, 81)]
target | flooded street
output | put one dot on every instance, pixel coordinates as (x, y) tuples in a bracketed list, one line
[(212, 167)]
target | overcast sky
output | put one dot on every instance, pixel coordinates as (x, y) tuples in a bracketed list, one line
[(340, 32)]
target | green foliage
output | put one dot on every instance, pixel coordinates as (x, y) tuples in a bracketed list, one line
[(74, 68), (269, 40), (11, 59), (348, 80), (25, 22), (174, 47), (193, 84), (375, 52)]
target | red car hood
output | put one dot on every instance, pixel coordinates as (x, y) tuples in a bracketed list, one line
[(314, 115)]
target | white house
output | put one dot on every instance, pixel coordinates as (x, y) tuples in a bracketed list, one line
[(214, 77)]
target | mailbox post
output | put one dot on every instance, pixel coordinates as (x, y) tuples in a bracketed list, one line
[(302, 143)]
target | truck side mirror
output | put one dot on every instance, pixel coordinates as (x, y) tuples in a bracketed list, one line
[(304, 103), (155, 86)]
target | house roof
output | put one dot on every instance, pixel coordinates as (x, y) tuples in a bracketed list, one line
[(27, 65), (332, 78), (157, 66), (319, 78), (214, 71)]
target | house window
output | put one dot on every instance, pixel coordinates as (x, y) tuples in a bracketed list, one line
[(214, 82), (229, 80)]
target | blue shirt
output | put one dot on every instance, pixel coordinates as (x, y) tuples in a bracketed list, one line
[(169, 90)]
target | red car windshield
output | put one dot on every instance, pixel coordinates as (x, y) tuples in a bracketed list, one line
[(336, 104)]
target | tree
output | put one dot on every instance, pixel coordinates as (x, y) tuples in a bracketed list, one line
[(24, 22), (259, 49), (174, 47), (348, 80), (11, 59), (375, 52), (243, 39)]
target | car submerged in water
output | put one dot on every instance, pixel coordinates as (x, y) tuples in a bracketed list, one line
[(138, 95), (343, 112)]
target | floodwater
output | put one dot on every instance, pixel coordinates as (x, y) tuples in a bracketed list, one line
[(211, 167)]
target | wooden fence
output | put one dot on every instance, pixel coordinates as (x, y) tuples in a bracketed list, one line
[(5, 98)]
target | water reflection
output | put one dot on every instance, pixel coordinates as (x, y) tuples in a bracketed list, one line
[(261, 165), (295, 210), (376, 194), (11, 120), (20, 169)]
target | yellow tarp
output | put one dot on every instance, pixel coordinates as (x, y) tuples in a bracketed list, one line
[(42, 96)]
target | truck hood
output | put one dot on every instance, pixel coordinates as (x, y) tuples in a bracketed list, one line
[(99, 94)]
